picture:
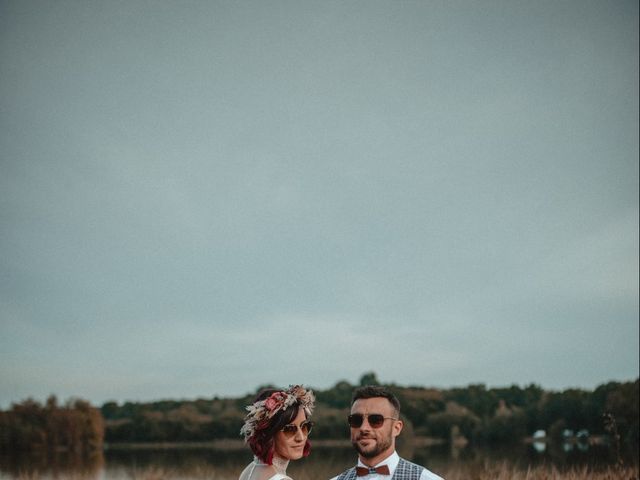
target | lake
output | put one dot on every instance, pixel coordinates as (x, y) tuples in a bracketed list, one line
[(324, 462)]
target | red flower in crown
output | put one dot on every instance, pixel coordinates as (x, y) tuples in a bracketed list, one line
[(274, 401)]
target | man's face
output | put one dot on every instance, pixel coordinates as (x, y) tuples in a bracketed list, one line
[(375, 444)]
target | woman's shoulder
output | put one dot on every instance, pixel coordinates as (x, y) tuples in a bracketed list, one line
[(246, 473), (251, 473)]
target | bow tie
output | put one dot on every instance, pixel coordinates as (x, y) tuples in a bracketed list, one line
[(382, 470)]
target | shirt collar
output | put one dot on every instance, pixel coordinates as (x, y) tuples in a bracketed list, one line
[(391, 461)]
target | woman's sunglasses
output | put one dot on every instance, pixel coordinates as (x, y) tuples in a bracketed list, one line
[(376, 420), (291, 429)]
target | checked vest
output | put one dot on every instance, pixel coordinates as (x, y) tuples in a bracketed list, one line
[(404, 471)]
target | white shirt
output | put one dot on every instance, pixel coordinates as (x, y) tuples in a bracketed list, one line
[(392, 462)]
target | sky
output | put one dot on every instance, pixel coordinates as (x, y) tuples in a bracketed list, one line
[(201, 197)]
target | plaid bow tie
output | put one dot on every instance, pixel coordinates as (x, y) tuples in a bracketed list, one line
[(382, 470)]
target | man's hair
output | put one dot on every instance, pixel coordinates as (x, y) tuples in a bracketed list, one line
[(376, 391)]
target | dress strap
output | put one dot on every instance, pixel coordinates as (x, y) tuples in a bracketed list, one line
[(253, 467)]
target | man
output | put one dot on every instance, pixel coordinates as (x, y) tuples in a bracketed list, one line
[(375, 423)]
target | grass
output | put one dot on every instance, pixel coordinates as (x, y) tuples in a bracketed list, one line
[(491, 473), (486, 472), (504, 472)]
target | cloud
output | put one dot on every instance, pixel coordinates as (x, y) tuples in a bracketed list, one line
[(450, 199)]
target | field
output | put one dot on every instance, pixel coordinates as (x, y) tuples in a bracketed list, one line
[(541, 473), (486, 472)]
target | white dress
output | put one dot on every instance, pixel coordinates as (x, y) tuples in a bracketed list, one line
[(257, 470)]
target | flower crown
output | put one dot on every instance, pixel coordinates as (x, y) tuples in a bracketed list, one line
[(262, 411)]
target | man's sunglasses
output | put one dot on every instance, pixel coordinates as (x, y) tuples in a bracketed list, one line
[(376, 420), (291, 429)]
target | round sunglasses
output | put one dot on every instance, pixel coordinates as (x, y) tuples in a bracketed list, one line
[(376, 420), (291, 429)]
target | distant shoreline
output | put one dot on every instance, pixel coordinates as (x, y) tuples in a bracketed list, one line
[(224, 444), (231, 444)]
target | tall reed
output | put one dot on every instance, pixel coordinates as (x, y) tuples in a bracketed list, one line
[(497, 471)]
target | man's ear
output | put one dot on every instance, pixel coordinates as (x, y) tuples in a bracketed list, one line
[(397, 427)]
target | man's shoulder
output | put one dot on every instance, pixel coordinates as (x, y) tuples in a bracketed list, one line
[(345, 474), (425, 474), (429, 475)]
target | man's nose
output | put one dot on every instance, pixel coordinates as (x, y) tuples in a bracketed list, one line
[(365, 424)]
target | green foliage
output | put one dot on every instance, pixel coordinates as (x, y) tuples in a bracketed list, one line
[(338, 397), (441, 424), (369, 379), (504, 428), (331, 423), (622, 403), (418, 403), (570, 406), (480, 414), (200, 420), (75, 427), (476, 398)]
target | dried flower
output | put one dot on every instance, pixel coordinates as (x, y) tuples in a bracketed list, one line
[(261, 412)]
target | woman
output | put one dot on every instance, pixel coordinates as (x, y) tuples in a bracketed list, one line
[(276, 429)]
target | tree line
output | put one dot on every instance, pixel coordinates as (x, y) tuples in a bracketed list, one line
[(75, 427), (481, 415)]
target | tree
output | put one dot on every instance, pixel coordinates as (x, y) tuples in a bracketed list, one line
[(369, 378)]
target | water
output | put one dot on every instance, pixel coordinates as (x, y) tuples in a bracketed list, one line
[(202, 463)]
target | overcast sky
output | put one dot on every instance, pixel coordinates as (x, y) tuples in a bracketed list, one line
[(201, 197)]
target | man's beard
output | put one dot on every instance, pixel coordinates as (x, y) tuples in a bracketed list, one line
[(377, 448)]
